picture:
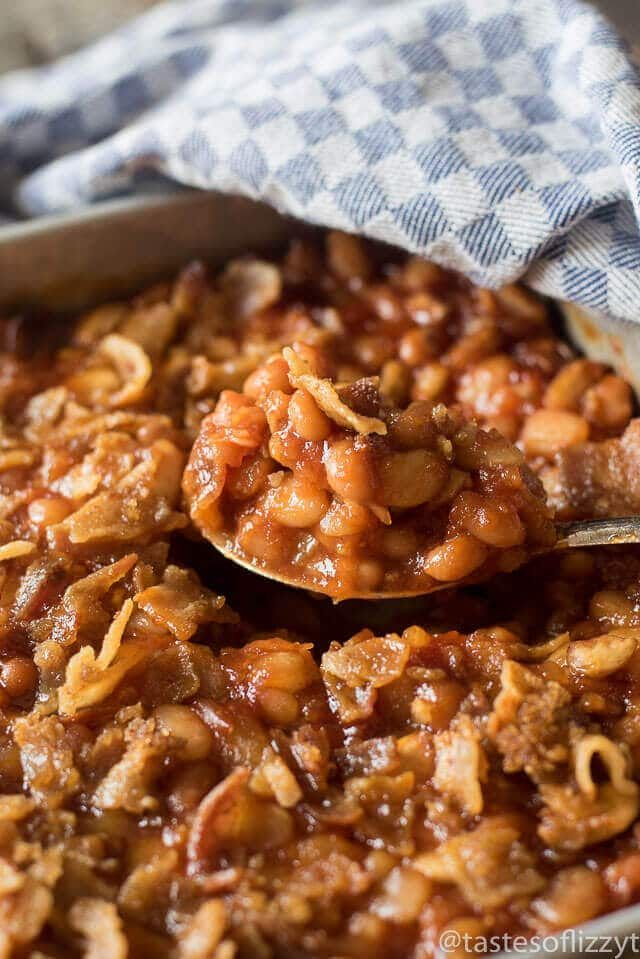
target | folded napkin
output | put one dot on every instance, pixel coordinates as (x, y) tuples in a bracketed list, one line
[(495, 136)]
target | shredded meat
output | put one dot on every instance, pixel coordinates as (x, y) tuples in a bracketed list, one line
[(597, 479), (490, 865), (128, 784), (529, 722)]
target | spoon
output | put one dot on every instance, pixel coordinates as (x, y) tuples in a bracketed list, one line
[(583, 533)]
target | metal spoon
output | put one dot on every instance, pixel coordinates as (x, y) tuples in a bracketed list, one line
[(598, 532), (593, 532)]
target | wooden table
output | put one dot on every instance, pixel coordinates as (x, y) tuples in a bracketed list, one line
[(35, 31)]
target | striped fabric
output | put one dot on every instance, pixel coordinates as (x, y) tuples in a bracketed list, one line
[(500, 137)]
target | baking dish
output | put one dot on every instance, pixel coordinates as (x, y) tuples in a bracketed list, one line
[(66, 262)]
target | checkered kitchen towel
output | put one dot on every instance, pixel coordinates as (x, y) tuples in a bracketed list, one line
[(495, 136)]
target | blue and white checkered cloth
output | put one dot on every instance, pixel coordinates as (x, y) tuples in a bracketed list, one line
[(494, 136)]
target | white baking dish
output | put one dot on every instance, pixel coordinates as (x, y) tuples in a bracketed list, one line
[(68, 262)]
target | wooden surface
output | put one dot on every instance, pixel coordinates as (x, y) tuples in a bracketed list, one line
[(35, 31)]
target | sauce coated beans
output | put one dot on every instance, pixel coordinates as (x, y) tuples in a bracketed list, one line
[(391, 502)]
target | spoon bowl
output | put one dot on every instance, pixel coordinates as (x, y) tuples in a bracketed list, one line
[(576, 535)]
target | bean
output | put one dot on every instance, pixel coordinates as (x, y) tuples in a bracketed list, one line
[(395, 382), (250, 478), (183, 723), (516, 299), (276, 410), (298, 504), (372, 351), (404, 893), (346, 519), (475, 346), (426, 309), (574, 895), (566, 389), (455, 558), (437, 703), (478, 385), (419, 274), (489, 520), (19, 677), (623, 877), (412, 477), (278, 706), (506, 424), (467, 933), (347, 257), (187, 787), (398, 543), (602, 655), (413, 428), (307, 418), (370, 575), (415, 348), (287, 670), (612, 606), (385, 303), (430, 381), (546, 432), (262, 541), (272, 375), (609, 404), (47, 511), (349, 471)]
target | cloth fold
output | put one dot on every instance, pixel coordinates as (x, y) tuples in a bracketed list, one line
[(499, 137)]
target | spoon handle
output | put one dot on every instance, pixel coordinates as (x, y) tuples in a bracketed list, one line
[(598, 532)]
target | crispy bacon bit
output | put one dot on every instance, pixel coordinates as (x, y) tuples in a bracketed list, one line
[(234, 431), (490, 865), (229, 815), (133, 366), (529, 721), (302, 376), (47, 760), (218, 813), (90, 678), (101, 927), (16, 549), (181, 604), (368, 660), (251, 285), (202, 936), (353, 672), (140, 505), (280, 782), (461, 766), (603, 655), (611, 756), (81, 611), (570, 820), (23, 914), (127, 785)]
